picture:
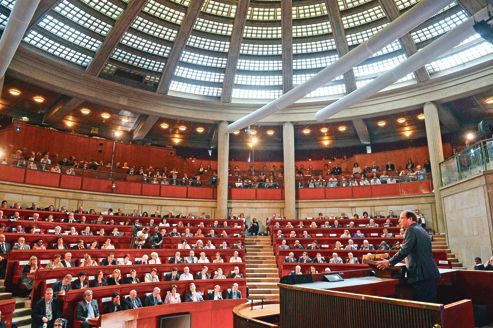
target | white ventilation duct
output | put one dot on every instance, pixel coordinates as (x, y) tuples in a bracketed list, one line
[(394, 30), (20, 16), (419, 59)]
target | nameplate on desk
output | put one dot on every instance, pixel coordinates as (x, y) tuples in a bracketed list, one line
[(106, 299), (443, 262), (374, 234), (332, 235), (319, 235)]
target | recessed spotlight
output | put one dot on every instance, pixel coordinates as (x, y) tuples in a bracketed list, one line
[(182, 128), (306, 131), (125, 119), (251, 132), (381, 123), (164, 125), (105, 115), (39, 99), (470, 136), (117, 133), (342, 128), (326, 142), (488, 101), (408, 132), (237, 132), (25, 118), (254, 140), (270, 132), (200, 129), (421, 116), (401, 120), (324, 130), (176, 141), (15, 92), (85, 111), (68, 123)]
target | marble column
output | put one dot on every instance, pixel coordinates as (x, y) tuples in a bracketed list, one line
[(2, 80), (289, 173), (222, 170), (435, 149)]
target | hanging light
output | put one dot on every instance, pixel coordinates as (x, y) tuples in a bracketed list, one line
[(306, 131), (324, 129), (401, 120), (164, 125), (39, 99), (200, 129), (85, 111), (182, 128), (421, 116), (15, 92), (105, 115), (342, 128), (270, 132), (381, 123)]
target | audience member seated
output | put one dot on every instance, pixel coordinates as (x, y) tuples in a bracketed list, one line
[(352, 259), (132, 301), (87, 309), (27, 278), (233, 293), (99, 281), (81, 281), (186, 275), (63, 286), (216, 294), (193, 295), (172, 296), (46, 310), (236, 273), (335, 259), (114, 305), (153, 298), (152, 276)]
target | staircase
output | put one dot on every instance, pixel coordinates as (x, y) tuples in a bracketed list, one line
[(440, 242), (261, 269), (22, 312)]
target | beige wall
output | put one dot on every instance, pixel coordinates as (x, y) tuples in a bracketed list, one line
[(467, 209)]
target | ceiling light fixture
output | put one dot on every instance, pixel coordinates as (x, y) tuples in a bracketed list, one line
[(117, 133), (39, 99), (25, 118), (421, 116), (125, 119), (324, 130), (176, 141), (237, 132), (164, 125), (488, 101), (381, 123), (182, 128), (68, 123), (306, 131), (200, 129), (85, 111), (470, 136), (270, 132), (401, 120), (326, 142), (15, 92), (342, 128), (105, 115)]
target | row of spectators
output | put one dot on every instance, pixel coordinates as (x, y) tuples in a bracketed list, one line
[(335, 259), (346, 234), (351, 246), (479, 265)]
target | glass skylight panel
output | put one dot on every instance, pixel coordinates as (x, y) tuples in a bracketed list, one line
[(346, 4), (199, 59), (109, 68), (269, 80), (328, 90), (7, 3), (316, 46), (309, 11), (42, 42), (154, 29), (208, 44), (302, 78), (361, 36), (82, 18), (259, 65), (159, 10), (403, 4), (364, 17), (314, 62), (321, 28), (185, 3), (256, 93), (3, 21), (68, 33), (213, 27), (219, 8), (262, 32), (361, 83), (144, 45), (378, 67), (194, 89), (260, 49), (394, 46), (264, 13), (439, 28), (460, 59), (135, 60), (200, 75), (105, 7)]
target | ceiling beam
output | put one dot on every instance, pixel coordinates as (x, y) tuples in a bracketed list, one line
[(114, 36), (406, 41), (145, 125), (43, 8), (472, 6), (447, 118), (362, 131), (179, 45), (339, 34), (234, 50), (287, 44), (62, 109)]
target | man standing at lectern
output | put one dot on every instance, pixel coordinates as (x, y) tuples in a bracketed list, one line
[(422, 272)]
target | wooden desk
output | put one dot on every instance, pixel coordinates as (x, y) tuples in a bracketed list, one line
[(7, 307)]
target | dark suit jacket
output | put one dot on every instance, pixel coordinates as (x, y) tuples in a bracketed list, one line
[(210, 296), (94, 283), (416, 249), (64, 263), (57, 287), (8, 248), (173, 260), (82, 311), (188, 297), (112, 307), (105, 262), (127, 303), (111, 281), (199, 276), (39, 311), (479, 267), (76, 284), (229, 294), (151, 301), (130, 280), (169, 277)]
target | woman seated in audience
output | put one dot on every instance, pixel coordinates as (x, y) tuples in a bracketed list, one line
[(199, 233), (172, 297), (219, 274), (313, 270), (101, 232), (39, 246), (154, 258), (27, 277), (55, 263), (94, 245), (143, 260), (73, 232), (99, 281), (184, 245), (152, 276), (81, 281), (59, 244), (115, 278), (345, 234), (383, 246), (224, 245), (218, 258), (400, 234), (209, 245), (313, 225), (338, 246), (386, 233), (87, 261), (107, 244), (203, 258), (319, 259), (125, 261), (116, 233), (351, 259), (224, 234)]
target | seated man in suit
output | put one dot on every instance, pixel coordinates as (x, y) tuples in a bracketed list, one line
[(172, 276), (87, 309), (478, 264), (216, 294), (236, 273), (153, 298), (110, 260), (177, 259), (67, 260), (46, 310), (233, 293), (335, 259), (5, 248), (132, 279), (114, 305), (132, 301), (81, 282), (193, 295), (290, 258), (63, 286), (203, 274), (366, 246)]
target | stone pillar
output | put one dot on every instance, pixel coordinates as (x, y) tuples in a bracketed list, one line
[(435, 148), (289, 173), (222, 170), (2, 80)]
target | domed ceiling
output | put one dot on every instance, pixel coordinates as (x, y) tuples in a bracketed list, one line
[(237, 51)]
